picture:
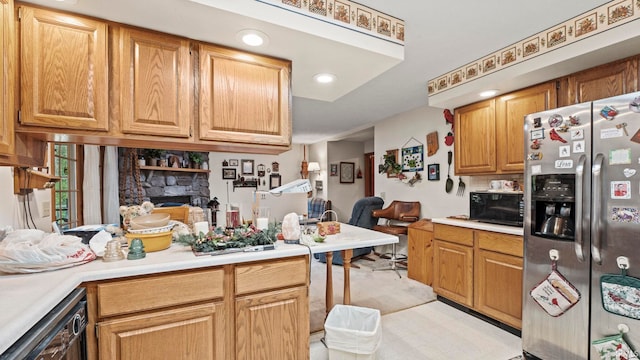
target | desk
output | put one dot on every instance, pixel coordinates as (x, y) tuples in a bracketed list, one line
[(350, 237)]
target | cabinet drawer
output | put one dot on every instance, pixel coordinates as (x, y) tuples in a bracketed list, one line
[(502, 243), (262, 276), (158, 291), (454, 234)]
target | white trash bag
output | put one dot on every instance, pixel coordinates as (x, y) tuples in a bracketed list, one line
[(28, 251)]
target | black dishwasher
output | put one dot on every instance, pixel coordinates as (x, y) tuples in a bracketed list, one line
[(58, 335)]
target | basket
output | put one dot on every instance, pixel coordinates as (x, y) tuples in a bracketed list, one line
[(328, 227)]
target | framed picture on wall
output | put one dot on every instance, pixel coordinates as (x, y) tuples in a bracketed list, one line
[(334, 170), (274, 181), (347, 172), (233, 162), (228, 173), (247, 167), (393, 155)]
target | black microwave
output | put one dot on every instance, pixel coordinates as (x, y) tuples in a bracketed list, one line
[(504, 208)]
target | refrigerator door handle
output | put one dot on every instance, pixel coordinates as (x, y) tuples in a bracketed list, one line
[(596, 223), (579, 239)]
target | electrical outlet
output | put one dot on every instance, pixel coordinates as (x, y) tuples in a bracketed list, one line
[(45, 208)]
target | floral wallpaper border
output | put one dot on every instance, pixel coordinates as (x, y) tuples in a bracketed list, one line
[(592, 22), (347, 14)]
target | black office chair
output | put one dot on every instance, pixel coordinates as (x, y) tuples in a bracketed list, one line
[(361, 217)]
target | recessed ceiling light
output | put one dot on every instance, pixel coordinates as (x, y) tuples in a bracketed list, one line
[(324, 78), (253, 37), (488, 93)]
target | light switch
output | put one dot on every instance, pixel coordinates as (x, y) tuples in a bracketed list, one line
[(45, 209)]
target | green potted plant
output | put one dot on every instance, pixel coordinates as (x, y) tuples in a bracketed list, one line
[(153, 155), (195, 158)]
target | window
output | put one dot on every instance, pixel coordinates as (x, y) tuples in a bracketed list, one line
[(66, 197)]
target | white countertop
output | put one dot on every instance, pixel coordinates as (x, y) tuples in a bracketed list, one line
[(513, 230), (26, 298)]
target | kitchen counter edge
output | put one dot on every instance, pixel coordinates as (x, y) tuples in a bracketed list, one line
[(512, 230)]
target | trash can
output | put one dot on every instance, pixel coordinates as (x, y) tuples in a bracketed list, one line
[(352, 332)]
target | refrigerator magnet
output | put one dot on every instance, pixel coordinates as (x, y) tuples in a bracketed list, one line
[(577, 134), (635, 105), (624, 215), (620, 190), (555, 120), (628, 172), (564, 151), (578, 146), (619, 156), (610, 133), (608, 112), (537, 134)]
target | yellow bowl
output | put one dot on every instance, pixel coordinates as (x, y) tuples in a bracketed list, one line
[(152, 242)]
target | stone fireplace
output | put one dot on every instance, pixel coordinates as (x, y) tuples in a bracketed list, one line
[(162, 184)]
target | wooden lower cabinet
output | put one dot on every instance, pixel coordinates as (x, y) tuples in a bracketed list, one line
[(453, 271), (213, 313), (498, 290), (269, 326), (193, 332), (420, 251), (481, 270)]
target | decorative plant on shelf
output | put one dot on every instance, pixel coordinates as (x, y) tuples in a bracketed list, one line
[(390, 166), (195, 158), (153, 155)]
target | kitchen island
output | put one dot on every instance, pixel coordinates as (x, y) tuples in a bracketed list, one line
[(27, 297)]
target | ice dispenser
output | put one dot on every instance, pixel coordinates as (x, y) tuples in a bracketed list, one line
[(553, 206)]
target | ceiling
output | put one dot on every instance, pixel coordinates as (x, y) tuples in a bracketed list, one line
[(376, 79)]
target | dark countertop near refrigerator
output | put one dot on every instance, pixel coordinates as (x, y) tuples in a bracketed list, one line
[(463, 222)]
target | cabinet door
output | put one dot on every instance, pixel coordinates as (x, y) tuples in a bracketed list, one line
[(7, 73), (64, 71), (604, 81), (194, 332), (475, 134), (453, 271), (273, 325), (156, 96), (244, 99), (510, 112), (420, 262), (498, 286)]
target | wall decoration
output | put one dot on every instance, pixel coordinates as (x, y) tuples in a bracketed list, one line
[(433, 172), (347, 172), (247, 167), (412, 158), (228, 173), (334, 170), (233, 162), (391, 157), (225, 163), (318, 184), (275, 166), (261, 170), (275, 181)]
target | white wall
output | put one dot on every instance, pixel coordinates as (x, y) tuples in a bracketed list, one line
[(289, 168), (343, 196), (394, 133), (318, 152)]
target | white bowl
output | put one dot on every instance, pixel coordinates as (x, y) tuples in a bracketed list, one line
[(152, 230)]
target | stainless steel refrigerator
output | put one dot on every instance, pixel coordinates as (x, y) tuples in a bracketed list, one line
[(582, 198)]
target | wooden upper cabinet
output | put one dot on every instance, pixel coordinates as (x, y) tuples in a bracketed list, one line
[(603, 81), (64, 77), (510, 112), (7, 77), (244, 98), (156, 84), (475, 134)]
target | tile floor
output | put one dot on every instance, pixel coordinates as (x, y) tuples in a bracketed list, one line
[(436, 331)]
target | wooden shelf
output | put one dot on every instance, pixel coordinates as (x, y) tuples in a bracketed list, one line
[(167, 168)]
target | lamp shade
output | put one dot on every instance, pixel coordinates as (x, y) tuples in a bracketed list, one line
[(313, 166)]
